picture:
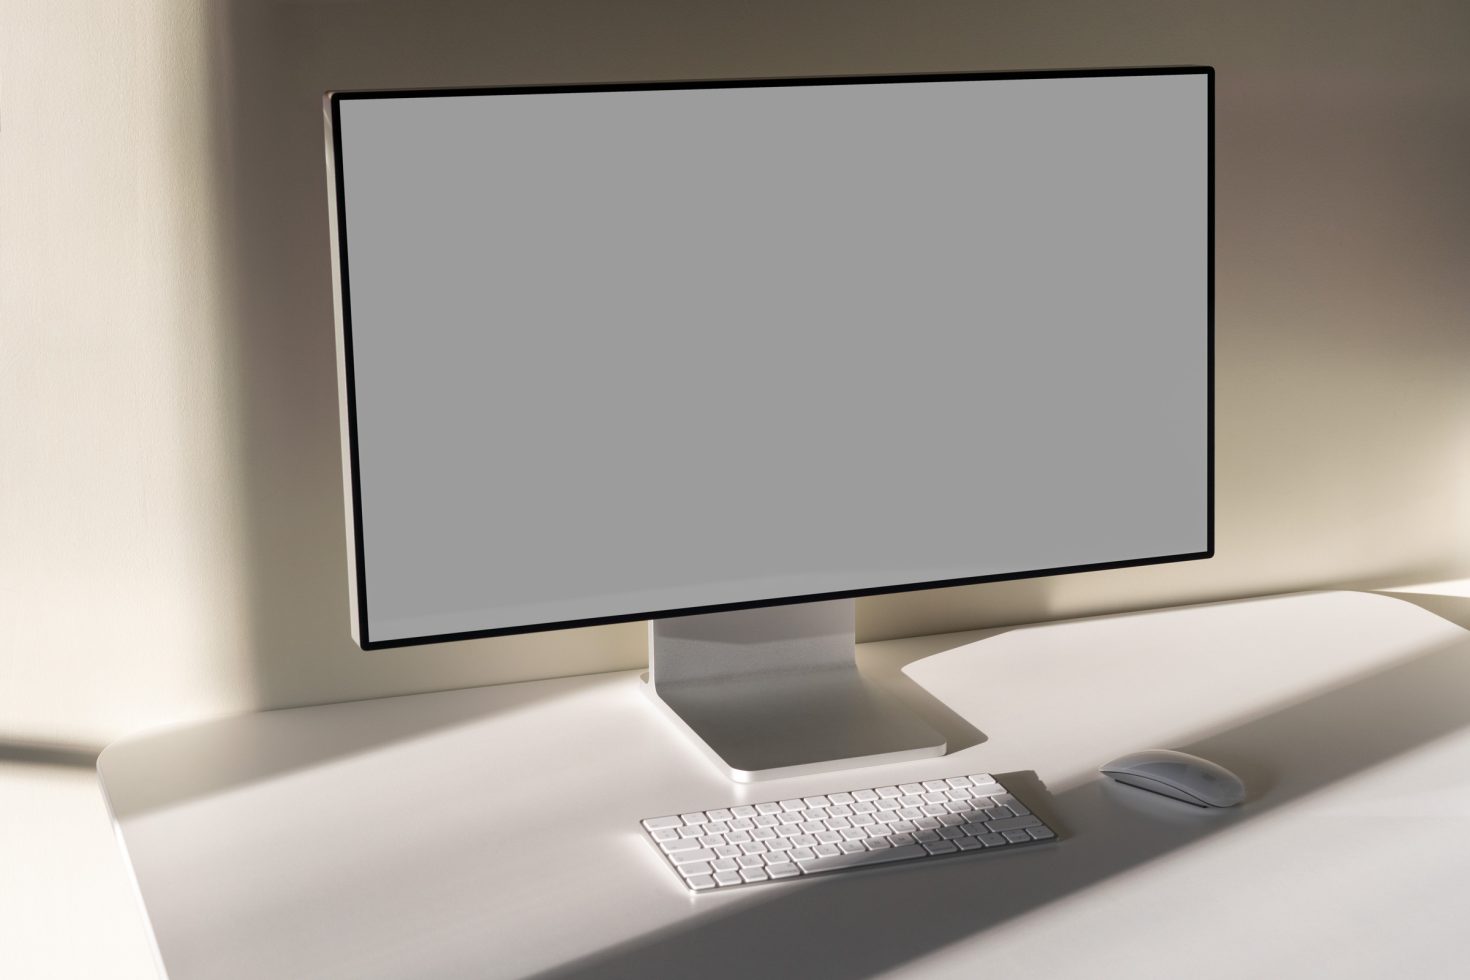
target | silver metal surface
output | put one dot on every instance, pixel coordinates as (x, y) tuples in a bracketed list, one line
[(886, 824), (776, 692)]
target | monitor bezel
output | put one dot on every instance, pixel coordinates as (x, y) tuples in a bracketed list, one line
[(347, 388)]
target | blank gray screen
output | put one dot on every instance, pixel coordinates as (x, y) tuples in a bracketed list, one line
[(625, 352)]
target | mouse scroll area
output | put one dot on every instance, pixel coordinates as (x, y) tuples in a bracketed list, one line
[(1156, 786)]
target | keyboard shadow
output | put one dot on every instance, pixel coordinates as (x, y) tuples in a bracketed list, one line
[(865, 922)]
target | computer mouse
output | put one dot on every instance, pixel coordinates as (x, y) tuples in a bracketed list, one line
[(1178, 775)]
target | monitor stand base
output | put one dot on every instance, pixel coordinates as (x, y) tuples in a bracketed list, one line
[(776, 692)]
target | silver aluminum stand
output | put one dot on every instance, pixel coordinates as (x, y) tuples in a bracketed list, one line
[(775, 692)]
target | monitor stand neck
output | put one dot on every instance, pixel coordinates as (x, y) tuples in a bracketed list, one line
[(775, 692)]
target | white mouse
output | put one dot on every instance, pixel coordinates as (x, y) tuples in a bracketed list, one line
[(1178, 775)]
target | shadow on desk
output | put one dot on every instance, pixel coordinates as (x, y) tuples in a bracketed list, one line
[(859, 924)]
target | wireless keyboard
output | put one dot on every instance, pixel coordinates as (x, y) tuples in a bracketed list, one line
[(750, 843)]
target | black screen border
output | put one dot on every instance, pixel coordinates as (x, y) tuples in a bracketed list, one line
[(333, 109)]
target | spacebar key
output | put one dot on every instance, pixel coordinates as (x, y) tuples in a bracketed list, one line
[(859, 859)]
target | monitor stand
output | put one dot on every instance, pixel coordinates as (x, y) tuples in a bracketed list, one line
[(775, 692)]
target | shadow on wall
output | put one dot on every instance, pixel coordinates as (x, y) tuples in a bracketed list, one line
[(271, 66)]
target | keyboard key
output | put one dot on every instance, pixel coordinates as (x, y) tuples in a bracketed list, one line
[(660, 823), (703, 854), (935, 785), (910, 789), (858, 859), (754, 874), (1040, 833), (958, 782), (1016, 836), (727, 851), (941, 847), (695, 819), (697, 868), (865, 795), (665, 833), (723, 864), (851, 847), (784, 869), (1013, 823), (968, 844), (702, 883), (742, 811), (842, 799), (725, 878), (951, 833), (826, 850), (769, 808), (990, 840), (682, 844), (750, 861)]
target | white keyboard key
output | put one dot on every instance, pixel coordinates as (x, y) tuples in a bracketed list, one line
[(660, 823), (682, 844), (911, 789), (888, 792), (762, 833), (851, 846), (791, 806), (754, 874), (865, 795), (801, 854), (990, 840), (842, 799), (941, 847), (738, 837), (697, 868), (750, 861), (743, 811), (768, 808), (723, 864), (664, 833), (968, 844), (958, 782), (690, 831), (1016, 836), (765, 820), (727, 851), (814, 801), (695, 819), (864, 806), (718, 814), (742, 823), (1013, 823), (703, 883), (703, 854), (826, 850), (859, 859), (784, 869), (725, 878), (1040, 833)]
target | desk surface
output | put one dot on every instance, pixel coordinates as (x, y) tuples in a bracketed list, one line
[(440, 835)]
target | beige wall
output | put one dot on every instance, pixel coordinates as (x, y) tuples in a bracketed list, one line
[(171, 540)]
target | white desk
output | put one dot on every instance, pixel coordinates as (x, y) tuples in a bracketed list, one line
[(431, 836)]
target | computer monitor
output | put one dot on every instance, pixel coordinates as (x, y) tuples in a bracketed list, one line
[(726, 355)]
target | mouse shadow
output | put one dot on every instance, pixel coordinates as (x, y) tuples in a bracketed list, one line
[(864, 923)]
